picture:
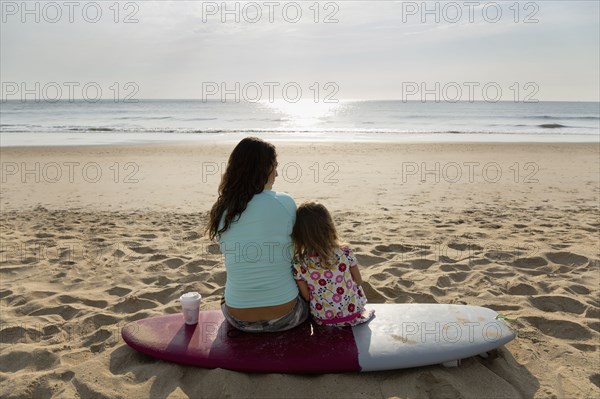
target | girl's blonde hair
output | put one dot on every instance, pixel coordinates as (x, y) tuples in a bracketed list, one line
[(314, 231)]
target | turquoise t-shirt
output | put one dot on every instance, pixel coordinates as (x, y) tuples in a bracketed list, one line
[(258, 253)]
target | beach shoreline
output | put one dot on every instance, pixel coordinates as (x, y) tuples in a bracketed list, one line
[(71, 139)]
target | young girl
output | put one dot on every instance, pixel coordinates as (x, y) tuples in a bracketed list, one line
[(326, 273)]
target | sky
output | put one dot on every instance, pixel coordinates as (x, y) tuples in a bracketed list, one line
[(544, 50)]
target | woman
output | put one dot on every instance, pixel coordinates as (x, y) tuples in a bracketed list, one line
[(253, 225)]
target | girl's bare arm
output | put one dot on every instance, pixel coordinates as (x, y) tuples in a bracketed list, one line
[(356, 275), (303, 287)]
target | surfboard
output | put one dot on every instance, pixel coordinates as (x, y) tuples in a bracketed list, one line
[(399, 336)]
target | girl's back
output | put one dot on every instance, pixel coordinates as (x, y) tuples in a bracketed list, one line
[(335, 297)]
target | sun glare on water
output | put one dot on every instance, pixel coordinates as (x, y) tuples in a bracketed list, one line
[(304, 114)]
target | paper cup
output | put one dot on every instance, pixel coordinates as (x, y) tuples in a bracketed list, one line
[(190, 307)]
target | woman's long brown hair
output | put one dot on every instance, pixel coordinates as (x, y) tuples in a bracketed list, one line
[(314, 231), (248, 170)]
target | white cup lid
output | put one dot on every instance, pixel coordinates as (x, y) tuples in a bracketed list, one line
[(190, 297)]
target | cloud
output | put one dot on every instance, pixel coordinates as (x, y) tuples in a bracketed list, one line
[(373, 47)]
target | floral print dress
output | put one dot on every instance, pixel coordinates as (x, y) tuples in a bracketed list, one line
[(335, 299)]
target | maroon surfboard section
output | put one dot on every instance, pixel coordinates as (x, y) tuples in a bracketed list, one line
[(213, 343)]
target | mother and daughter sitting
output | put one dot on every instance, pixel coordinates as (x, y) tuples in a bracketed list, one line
[(282, 263)]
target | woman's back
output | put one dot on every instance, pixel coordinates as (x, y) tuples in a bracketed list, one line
[(258, 253), (254, 231)]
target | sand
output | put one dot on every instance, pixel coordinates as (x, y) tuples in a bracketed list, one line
[(95, 237)]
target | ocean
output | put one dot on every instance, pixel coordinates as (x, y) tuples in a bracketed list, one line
[(107, 122)]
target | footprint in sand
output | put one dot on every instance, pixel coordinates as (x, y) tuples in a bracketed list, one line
[(123, 360), (594, 325), (5, 293), (415, 297), (173, 263), (65, 311), (593, 313), (461, 247), (132, 305), (101, 319), (567, 258), (372, 294), (118, 254), (359, 242), (142, 315), (44, 235), (407, 283), (379, 277), (214, 249), (199, 265), (12, 334), (421, 264), (529, 263), (478, 262), (595, 379), (499, 255), (559, 246), (562, 329), (578, 289), (163, 281), (493, 226), (558, 303), (519, 288), (458, 277), (454, 267), (417, 233), (447, 259), (219, 278), (163, 295), (143, 250), (498, 272), (369, 260), (210, 289), (16, 300), (396, 270), (443, 282), (157, 257), (36, 360), (89, 302), (192, 236), (51, 331), (118, 291), (395, 248), (149, 280), (97, 341), (501, 307), (391, 292), (584, 347), (477, 235)]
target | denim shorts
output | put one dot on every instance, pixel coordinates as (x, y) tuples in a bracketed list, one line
[(295, 317)]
